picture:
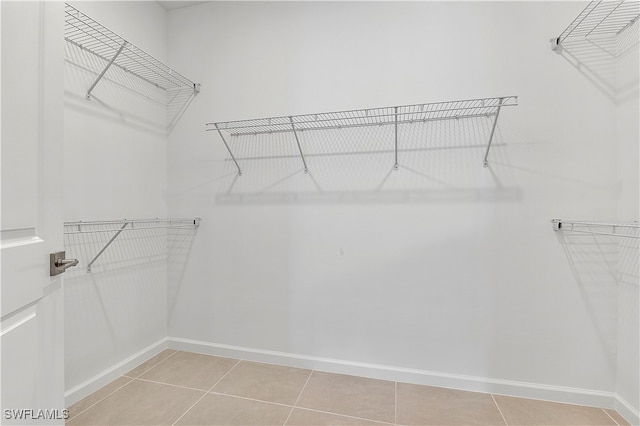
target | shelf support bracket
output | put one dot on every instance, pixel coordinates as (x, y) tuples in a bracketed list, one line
[(107, 245), (306, 170), (395, 134), (493, 130), (88, 96), (228, 149)]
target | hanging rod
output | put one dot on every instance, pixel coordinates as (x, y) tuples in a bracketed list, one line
[(598, 228), (383, 116), (118, 226), (600, 18), (90, 35)]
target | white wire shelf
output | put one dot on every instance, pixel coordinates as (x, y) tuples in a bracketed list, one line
[(600, 18), (90, 35), (116, 227), (614, 229), (383, 116)]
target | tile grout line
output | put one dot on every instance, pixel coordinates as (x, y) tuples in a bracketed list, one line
[(131, 379), (153, 366), (395, 403), (614, 420), (344, 415), (295, 404), (101, 399), (249, 399), (499, 410), (170, 384), (205, 393)]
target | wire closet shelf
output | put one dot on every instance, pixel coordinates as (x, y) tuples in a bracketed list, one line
[(614, 229), (600, 18), (116, 227), (382, 116), (90, 35)]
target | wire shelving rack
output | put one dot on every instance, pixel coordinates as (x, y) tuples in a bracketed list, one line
[(614, 229), (600, 18), (88, 34), (383, 116), (116, 227)]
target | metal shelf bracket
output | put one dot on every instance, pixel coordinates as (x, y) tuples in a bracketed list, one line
[(107, 245), (395, 133), (88, 96), (228, 149), (485, 163), (293, 127)]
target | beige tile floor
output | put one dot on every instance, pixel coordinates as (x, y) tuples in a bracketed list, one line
[(183, 388)]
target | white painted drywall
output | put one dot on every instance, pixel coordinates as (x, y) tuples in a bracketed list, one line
[(115, 168), (628, 135), (442, 265)]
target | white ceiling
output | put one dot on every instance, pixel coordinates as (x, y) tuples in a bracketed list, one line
[(172, 5)]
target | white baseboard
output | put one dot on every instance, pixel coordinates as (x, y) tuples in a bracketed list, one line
[(376, 371), (569, 395), (626, 410), (91, 385)]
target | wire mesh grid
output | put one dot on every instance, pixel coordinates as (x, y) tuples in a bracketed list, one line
[(602, 18), (121, 243), (431, 155), (86, 33), (368, 117), (117, 86)]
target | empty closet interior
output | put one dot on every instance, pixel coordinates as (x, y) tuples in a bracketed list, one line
[(417, 191)]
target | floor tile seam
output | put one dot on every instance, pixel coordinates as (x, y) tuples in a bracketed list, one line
[(170, 384), (272, 364), (204, 394), (395, 402), (154, 366), (189, 409), (499, 409), (610, 416), (332, 412), (344, 415), (295, 404), (101, 399), (250, 399), (224, 375)]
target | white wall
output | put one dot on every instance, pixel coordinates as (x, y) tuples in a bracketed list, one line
[(442, 266), (115, 168), (628, 135)]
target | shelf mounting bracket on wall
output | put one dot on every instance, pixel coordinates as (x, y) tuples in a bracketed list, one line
[(228, 149), (395, 135), (293, 127), (485, 163), (106, 245), (88, 95)]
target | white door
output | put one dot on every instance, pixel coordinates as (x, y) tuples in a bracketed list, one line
[(31, 304)]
